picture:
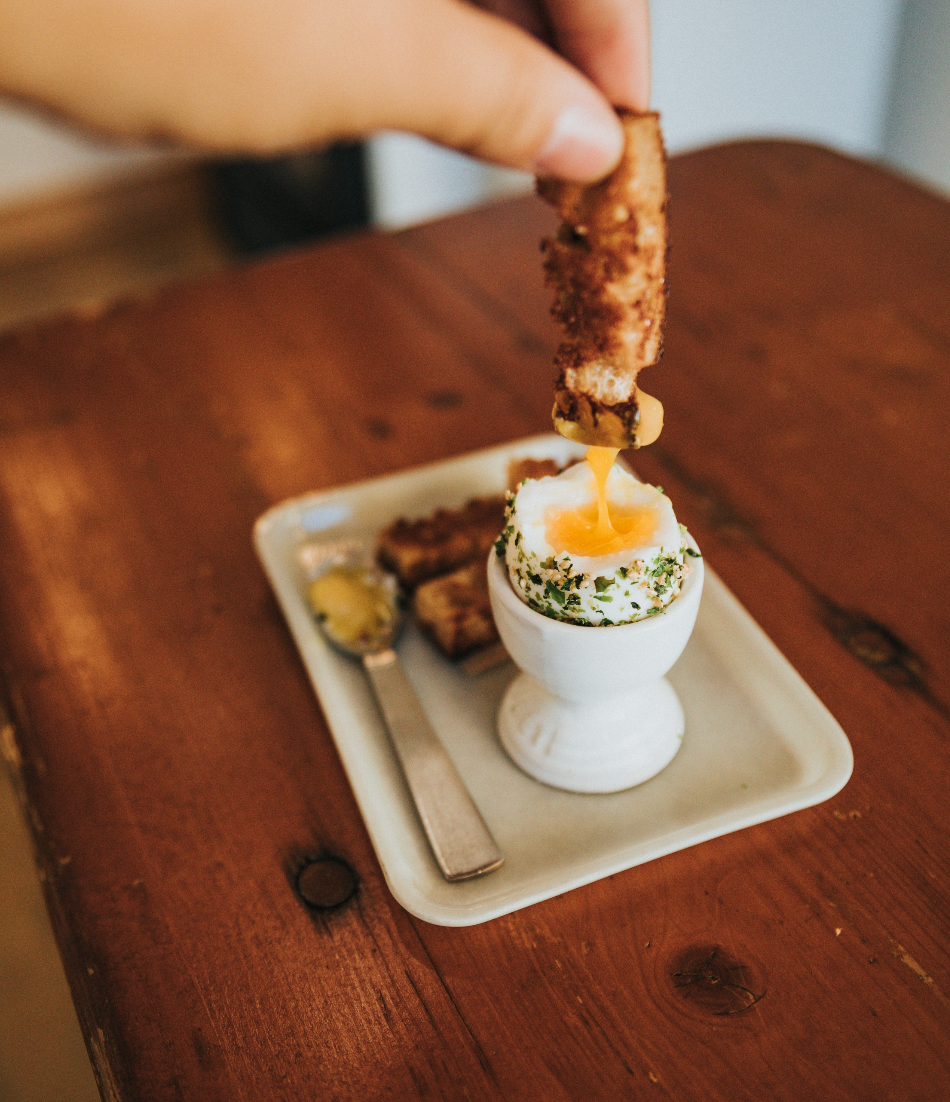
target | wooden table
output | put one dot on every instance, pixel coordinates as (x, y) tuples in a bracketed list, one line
[(175, 764)]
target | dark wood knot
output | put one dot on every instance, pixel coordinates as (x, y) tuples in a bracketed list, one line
[(378, 428), (713, 982), (876, 646), (325, 882)]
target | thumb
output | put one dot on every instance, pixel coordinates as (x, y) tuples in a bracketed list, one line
[(478, 83)]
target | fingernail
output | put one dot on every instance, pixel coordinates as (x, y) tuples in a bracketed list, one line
[(584, 144)]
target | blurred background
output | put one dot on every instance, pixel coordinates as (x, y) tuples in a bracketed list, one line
[(82, 223)]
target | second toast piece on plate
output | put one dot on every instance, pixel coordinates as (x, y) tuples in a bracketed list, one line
[(454, 610)]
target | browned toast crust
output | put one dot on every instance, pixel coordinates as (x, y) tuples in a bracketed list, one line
[(607, 264), (520, 469), (454, 610), (416, 550)]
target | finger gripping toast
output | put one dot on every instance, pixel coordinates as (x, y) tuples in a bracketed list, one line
[(607, 265)]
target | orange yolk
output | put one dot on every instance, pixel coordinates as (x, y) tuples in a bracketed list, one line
[(598, 528)]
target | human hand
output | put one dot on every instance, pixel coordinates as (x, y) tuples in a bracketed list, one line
[(271, 76)]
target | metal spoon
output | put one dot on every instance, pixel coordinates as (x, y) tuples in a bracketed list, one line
[(460, 840)]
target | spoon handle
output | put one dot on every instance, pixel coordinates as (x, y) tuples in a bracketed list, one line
[(462, 844)]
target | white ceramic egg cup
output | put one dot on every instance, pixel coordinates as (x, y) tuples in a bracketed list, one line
[(591, 710)]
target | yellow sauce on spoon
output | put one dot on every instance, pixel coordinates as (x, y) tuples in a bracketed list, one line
[(599, 528), (352, 607)]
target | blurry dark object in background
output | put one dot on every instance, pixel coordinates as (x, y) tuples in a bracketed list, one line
[(275, 203)]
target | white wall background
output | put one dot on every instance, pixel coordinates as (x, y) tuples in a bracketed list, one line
[(871, 77), (815, 69), (917, 129)]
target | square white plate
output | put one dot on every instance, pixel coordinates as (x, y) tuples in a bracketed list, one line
[(758, 744)]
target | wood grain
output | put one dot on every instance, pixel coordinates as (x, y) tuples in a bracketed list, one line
[(175, 765)]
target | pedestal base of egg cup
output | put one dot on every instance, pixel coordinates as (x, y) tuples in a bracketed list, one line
[(592, 710)]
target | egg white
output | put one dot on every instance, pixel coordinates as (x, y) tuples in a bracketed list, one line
[(592, 590)]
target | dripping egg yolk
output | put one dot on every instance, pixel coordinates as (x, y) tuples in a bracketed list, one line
[(600, 527)]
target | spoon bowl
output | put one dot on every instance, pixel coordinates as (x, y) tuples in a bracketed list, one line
[(316, 559)]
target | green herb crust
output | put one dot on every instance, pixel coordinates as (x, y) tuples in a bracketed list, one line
[(555, 587)]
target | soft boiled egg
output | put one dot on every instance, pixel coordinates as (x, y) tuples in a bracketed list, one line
[(593, 559)]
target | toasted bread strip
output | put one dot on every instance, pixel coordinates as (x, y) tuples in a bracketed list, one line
[(607, 264), (416, 550), (455, 612), (520, 469)]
